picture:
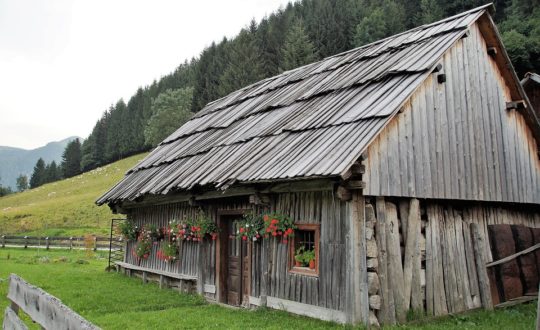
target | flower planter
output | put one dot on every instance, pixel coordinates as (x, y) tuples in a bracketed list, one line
[(312, 264), (297, 264)]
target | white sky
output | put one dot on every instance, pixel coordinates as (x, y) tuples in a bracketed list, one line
[(64, 62)]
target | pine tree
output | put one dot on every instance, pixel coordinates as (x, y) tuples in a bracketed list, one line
[(52, 173), (22, 182), (244, 65), (384, 19), (38, 176), (298, 50), (71, 159), (430, 11), (171, 110)]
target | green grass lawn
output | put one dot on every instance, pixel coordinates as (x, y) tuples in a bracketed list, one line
[(64, 208), (114, 301)]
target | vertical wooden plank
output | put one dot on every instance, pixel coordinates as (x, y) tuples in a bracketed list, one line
[(404, 217), (387, 312), (358, 298), (395, 266), (412, 262), (483, 280), (429, 266), (439, 297), (462, 277)]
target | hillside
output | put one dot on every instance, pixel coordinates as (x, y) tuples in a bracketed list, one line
[(64, 207), (16, 161)]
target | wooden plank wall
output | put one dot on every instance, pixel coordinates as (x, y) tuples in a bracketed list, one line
[(437, 253), (328, 289), (160, 215), (456, 140)]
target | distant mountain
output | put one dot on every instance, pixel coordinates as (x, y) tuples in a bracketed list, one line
[(16, 161)]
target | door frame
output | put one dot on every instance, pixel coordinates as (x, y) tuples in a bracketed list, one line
[(222, 257)]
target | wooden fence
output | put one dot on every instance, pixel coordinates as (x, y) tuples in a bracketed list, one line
[(43, 308), (96, 243)]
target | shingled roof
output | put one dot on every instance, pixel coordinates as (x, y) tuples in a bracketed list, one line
[(313, 121)]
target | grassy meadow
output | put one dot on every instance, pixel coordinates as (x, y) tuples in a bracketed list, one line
[(114, 301), (66, 207)]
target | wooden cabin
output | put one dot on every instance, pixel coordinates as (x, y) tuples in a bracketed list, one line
[(531, 85), (393, 160)]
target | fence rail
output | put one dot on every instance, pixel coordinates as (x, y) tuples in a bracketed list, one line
[(95, 243), (43, 308)]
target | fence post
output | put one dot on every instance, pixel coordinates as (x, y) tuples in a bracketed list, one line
[(47, 242), (25, 242), (3, 241), (95, 243), (71, 243)]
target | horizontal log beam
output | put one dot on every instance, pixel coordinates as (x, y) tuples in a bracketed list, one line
[(513, 256)]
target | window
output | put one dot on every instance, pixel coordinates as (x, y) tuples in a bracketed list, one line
[(304, 250)]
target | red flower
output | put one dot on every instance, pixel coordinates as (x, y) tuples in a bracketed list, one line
[(274, 233), (242, 229), (244, 238), (258, 236), (274, 221), (266, 218)]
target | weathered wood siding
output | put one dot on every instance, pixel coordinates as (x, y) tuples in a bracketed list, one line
[(329, 288), (160, 215), (447, 279), (456, 140)]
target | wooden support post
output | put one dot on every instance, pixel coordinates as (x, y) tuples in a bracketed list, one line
[(200, 266), (144, 279), (358, 302), (95, 243), (25, 242), (483, 280), (47, 243), (3, 241), (162, 281), (71, 243)]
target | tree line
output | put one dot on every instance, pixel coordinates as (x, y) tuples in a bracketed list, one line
[(295, 35)]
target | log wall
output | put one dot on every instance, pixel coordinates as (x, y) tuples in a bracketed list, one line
[(457, 140), (421, 254)]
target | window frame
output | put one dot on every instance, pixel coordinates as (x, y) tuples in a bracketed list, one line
[(316, 228)]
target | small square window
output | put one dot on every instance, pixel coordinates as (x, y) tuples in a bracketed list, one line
[(304, 250)]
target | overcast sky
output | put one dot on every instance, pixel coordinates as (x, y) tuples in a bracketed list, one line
[(63, 62)]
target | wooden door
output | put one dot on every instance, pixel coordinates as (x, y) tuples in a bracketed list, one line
[(234, 264), (234, 268)]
